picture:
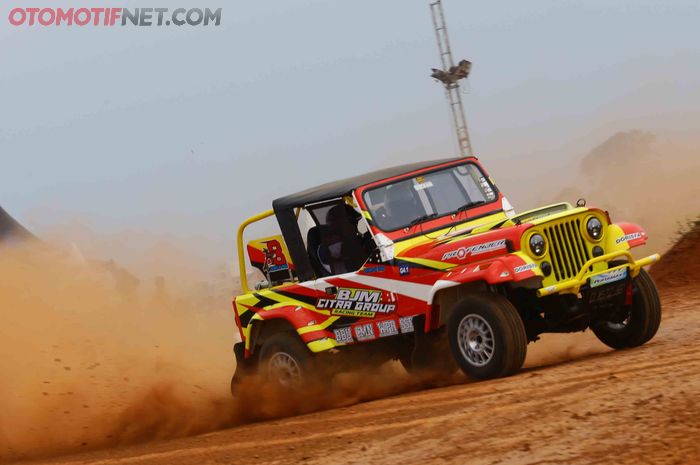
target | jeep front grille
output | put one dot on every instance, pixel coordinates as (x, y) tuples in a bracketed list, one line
[(567, 248)]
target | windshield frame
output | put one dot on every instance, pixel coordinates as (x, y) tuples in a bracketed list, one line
[(366, 189)]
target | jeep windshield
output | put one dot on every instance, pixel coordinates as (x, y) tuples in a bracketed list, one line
[(411, 201)]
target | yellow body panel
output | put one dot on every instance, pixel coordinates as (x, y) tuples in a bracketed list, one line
[(613, 250)]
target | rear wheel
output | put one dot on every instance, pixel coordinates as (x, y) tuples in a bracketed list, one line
[(487, 336), (285, 361), (642, 320)]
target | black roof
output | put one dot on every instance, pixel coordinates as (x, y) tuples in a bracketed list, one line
[(333, 190)]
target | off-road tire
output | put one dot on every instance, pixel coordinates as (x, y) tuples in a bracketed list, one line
[(287, 346), (509, 340), (644, 317)]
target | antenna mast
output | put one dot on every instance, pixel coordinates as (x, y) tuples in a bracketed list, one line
[(449, 76)]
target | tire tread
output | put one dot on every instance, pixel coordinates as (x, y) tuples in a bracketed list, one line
[(514, 338)]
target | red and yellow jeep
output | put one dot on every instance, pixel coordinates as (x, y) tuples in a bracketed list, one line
[(428, 263)]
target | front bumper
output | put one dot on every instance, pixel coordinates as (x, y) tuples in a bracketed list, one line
[(572, 286)]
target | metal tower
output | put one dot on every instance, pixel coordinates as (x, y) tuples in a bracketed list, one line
[(450, 75)]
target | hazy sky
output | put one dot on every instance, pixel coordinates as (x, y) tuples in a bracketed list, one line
[(188, 130)]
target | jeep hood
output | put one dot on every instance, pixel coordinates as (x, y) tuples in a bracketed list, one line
[(481, 238)]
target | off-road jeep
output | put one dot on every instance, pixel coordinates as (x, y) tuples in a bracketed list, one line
[(429, 264)]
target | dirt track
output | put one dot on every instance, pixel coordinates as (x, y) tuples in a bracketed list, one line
[(635, 406)]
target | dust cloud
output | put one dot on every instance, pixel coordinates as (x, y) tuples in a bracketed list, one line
[(552, 349), (638, 177), (93, 357), (90, 357), (641, 178), (256, 401)]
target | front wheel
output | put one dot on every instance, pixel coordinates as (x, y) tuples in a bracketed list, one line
[(642, 320), (487, 336)]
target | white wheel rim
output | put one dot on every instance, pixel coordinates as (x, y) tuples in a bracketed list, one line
[(284, 369), (476, 340)]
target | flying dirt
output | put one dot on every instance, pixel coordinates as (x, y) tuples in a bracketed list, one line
[(630, 407), (90, 360)]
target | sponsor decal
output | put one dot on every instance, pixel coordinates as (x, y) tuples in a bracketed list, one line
[(459, 253), (343, 335), (524, 268), (365, 332), (477, 249), (387, 328), (406, 324), (374, 269), (275, 259), (423, 185), (368, 331), (487, 188), (628, 237), (404, 270), (362, 303), (609, 277)]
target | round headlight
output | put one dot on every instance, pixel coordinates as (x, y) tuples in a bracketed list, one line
[(594, 228), (537, 245)]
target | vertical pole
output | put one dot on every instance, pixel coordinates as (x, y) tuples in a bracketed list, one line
[(454, 97)]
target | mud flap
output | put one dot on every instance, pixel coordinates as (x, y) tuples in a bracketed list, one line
[(431, 351), (243, 366), (239, 352)]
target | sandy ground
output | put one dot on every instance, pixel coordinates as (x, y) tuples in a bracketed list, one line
[(581, 404)]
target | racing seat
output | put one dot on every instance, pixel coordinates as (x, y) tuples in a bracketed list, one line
[(313, 242)]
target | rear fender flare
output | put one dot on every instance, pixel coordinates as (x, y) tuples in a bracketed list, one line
[(291, 317)]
